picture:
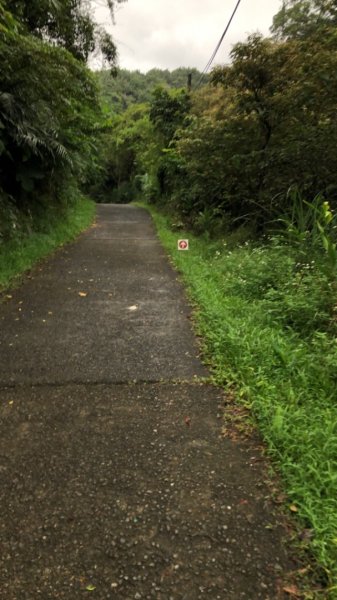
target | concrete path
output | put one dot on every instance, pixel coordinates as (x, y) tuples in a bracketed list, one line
[(115, 480)]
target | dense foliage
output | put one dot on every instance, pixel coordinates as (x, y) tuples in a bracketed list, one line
[(134, 87), (49, 109), (132, 155), (264, 124), (67, 23), (276, 131), (303, 18)]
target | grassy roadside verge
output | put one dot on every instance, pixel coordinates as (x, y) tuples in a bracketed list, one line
[(20, 254), (265, 326)]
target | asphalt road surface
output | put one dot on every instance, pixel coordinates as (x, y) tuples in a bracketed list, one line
[(115, 478)]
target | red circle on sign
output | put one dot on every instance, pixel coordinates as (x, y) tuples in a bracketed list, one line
[(183, 245)]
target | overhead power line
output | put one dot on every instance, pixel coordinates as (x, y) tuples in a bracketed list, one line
[(217, 48)]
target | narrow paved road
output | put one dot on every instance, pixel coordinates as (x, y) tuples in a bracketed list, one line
[(115, 480)]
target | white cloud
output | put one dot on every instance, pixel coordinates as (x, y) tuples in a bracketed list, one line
[(167, 35)]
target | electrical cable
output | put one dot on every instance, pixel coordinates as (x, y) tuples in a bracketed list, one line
[(217, 48)]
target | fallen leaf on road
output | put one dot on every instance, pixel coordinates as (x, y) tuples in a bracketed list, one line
[(82, 294), (292, 590), (304, 571), (90, 588), (187, 421), (293, 508), (280, 498), (133, 307)]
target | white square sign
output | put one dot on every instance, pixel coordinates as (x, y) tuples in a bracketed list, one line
[(183, 245)]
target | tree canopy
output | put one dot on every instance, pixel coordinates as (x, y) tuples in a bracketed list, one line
[(134, 87), (264, 124), (50, 115), (67, 23), (302, 18)]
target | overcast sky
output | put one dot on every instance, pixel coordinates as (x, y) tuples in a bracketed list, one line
[(183, 33)]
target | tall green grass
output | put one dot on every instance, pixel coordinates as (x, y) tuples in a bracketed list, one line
[(269, 328), (20, 253)]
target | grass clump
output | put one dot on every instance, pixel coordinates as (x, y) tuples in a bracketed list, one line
[(22, 251), (268, 320)]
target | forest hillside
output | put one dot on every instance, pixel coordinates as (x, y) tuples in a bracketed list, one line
[(134, 87)]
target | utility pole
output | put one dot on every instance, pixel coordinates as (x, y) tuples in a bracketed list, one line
[(189, 82)]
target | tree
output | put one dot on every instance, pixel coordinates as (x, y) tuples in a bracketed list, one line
[(50, 120), (66, 23), (168, 111), (299, 19), (134, 87), (44, 103), (271, 128), (126, 142)]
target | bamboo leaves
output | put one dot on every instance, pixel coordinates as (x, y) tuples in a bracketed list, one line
[(49, 119)]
